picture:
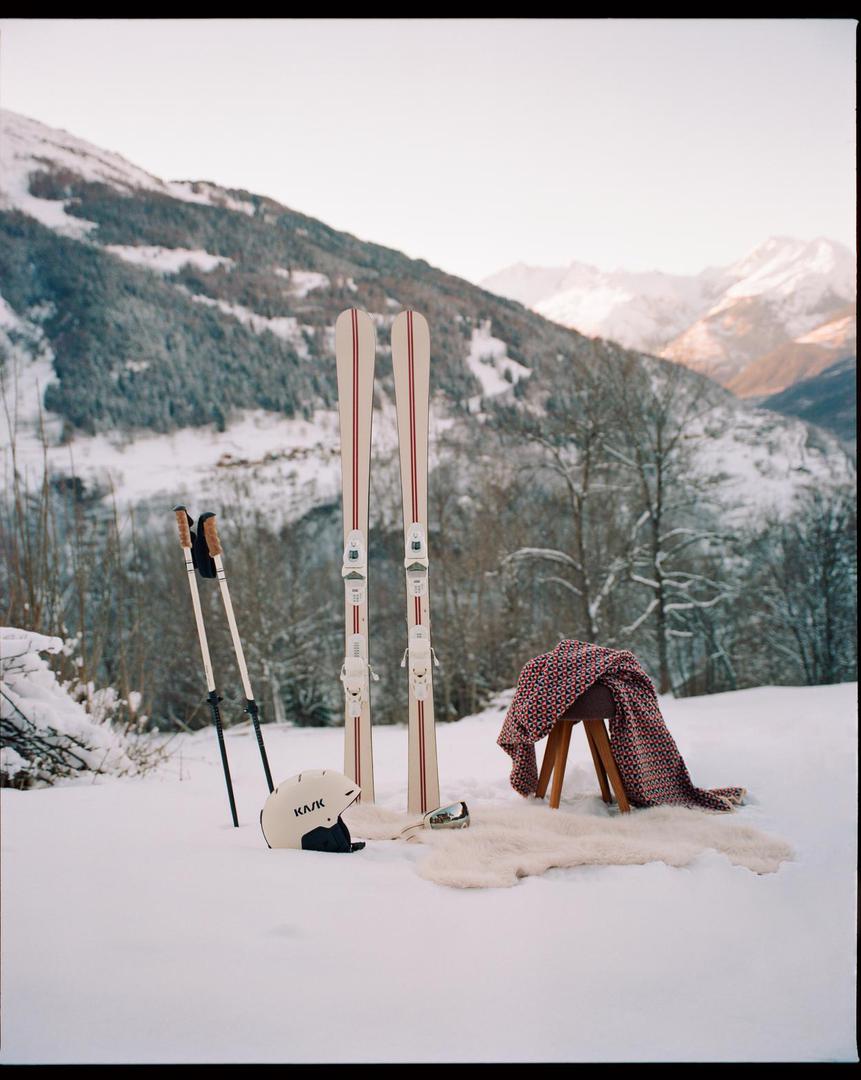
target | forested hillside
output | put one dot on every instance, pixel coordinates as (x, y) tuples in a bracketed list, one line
[(165, 342)]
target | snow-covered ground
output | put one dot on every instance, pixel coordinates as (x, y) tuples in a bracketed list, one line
[(164, 260), (138, 926), (490, 363)]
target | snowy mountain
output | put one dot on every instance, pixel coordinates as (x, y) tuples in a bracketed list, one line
[(640, 311), (151, 323), (720, 322), (29, 148)]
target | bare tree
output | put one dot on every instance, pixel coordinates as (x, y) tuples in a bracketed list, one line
[(658, 416), (569, 436), (807, 588)]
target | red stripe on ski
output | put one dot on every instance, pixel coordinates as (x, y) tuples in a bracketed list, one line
[(411, 370), (355, 318), (422, 766), (358, 752)]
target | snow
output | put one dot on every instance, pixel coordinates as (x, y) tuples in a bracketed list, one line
[(786, 267), (9, 319), (28, 146), (526, 284), (795, 282), (285, 327), (292, 463), (487, 360), (138, 926), (637, 310), (33, 701), (167, 260), (28, 370), (303, 281), (765, 466), (205, 194), (832, 334)]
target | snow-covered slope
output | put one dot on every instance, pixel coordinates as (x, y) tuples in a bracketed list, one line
[(778, 293), (28, 147), (718, 322), (639, 310), (183, 939)]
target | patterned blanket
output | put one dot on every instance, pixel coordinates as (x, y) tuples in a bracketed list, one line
[(646, 755)]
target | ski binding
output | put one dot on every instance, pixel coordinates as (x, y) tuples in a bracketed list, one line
[(416, 561), (420, 655), (353, 570)]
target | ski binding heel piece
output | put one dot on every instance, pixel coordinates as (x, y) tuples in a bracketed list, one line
[(354, 675), (353, 570), (416, 560), (420, 653)]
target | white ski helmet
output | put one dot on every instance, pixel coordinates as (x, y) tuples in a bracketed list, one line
[(305, 812)]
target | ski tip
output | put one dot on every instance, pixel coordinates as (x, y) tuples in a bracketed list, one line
[(354, 324), (410, 322)]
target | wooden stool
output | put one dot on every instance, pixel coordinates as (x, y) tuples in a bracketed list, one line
[(593, 707)]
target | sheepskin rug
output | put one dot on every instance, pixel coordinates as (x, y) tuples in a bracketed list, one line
[(505, 843)]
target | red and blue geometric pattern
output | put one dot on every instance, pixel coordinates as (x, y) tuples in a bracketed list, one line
[(646, 755)]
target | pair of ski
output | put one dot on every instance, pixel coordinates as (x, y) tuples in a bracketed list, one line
[(355, 351), (204, 555)]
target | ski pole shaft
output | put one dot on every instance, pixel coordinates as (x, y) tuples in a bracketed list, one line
[(183, 525), (216, 552), (214, 699)]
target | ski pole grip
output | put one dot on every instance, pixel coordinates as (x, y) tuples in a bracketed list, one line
[(211, 534), (182, 525)]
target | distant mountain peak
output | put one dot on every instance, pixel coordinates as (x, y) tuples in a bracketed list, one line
[(719, 321)]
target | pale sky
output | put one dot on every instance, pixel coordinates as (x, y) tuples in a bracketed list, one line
[(667, 144)]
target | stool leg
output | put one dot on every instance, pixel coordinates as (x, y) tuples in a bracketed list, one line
[(600, 771), (549, 761), (559, 766), (603, 744)]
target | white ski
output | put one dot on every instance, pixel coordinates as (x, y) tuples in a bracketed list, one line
[(355, 348), (411, 364)]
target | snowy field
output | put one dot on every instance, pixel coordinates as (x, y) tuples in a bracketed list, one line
[(138, 926)]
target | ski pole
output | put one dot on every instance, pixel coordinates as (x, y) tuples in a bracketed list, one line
[(184, 523), (207, 522)]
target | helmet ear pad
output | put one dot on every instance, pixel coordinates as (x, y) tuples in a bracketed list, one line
[(335, 839)]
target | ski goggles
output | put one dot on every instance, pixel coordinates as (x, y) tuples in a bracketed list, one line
[(453, 816)]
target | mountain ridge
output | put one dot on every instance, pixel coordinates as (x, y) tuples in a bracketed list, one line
[(718, 322), (146, 313)]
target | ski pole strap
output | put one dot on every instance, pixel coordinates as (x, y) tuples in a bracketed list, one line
[(202, 546)]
